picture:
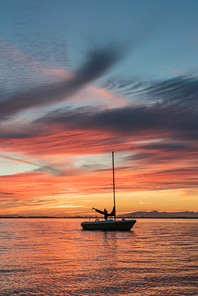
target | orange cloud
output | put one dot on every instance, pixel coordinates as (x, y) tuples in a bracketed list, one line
[(40, 193)]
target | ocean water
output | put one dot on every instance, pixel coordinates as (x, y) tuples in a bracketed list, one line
[(56, 257)]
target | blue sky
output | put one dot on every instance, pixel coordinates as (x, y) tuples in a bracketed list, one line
[(158, 34), (79, 79)]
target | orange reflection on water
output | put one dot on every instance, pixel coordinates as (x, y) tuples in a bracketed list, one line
[(54, 256)]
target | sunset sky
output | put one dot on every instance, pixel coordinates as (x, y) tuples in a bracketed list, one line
[(80, 79)]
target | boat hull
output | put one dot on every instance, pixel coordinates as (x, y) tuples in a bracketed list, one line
[(121, 225)]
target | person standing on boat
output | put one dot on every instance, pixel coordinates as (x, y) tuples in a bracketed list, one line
[(105, 213)]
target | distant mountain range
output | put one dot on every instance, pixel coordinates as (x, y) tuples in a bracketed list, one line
[(156, 214), (138, 214)]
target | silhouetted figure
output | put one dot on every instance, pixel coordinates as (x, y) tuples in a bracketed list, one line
[(105, 213)]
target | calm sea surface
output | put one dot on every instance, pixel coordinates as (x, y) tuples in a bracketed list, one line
[(56, 257)]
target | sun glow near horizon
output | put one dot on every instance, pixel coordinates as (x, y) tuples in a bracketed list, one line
[(42, 194)]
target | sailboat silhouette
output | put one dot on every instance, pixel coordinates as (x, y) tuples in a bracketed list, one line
[(109, 224)]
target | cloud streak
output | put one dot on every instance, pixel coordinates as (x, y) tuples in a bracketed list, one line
[(177, 89), (168, 111), (96, 64), (173, 111)]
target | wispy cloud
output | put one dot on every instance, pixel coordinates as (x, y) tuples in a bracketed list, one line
[(6, 193), (168, 113), (40, 168), (96, 64), (173, 111)]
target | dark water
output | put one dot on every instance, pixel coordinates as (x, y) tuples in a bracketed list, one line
[(55, 257)]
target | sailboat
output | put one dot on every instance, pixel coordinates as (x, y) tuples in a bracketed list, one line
[(111, 224)]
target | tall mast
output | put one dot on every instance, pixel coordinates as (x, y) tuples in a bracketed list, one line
[(113, 185)]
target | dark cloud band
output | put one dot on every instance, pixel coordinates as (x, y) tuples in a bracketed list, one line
[(96, 64)]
